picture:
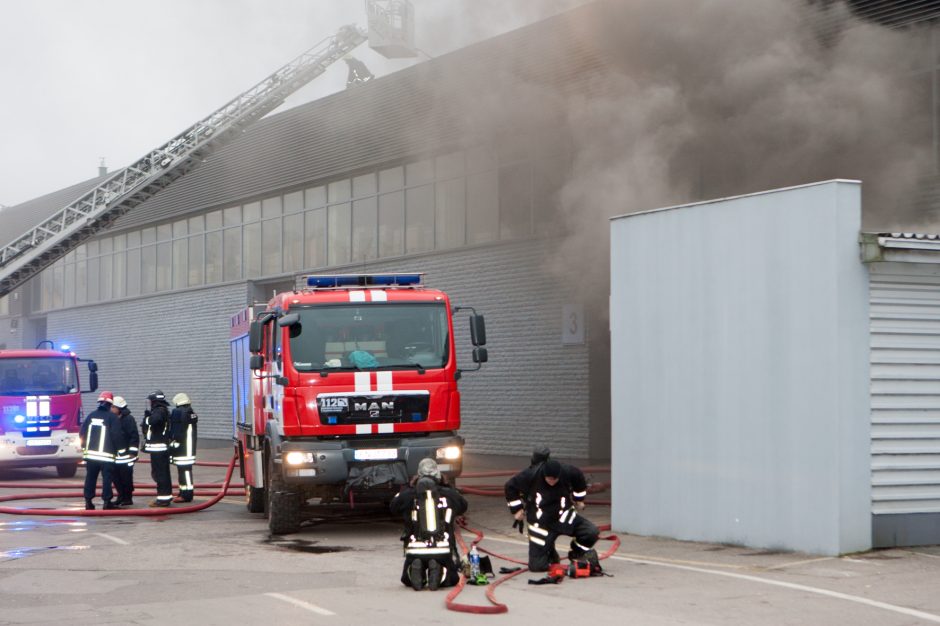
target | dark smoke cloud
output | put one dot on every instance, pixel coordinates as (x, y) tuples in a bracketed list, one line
[(713, 98)]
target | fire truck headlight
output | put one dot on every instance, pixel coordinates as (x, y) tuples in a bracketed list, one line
[(451, 453), (19, 419), (298, 458)]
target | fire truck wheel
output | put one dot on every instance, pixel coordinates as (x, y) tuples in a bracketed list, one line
[(283, 505), (254, 499), (66, 470)]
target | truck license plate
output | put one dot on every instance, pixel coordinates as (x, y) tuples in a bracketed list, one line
[(39, 442), (376, 454)]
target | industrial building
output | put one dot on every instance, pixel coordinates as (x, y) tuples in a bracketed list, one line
[(425, 170)]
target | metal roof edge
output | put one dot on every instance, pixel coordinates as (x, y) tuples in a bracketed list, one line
[(899, 247), (745, 195)]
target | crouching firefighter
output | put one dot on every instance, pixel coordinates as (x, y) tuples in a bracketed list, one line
[(183, 444), (429, 508), (548, 496)]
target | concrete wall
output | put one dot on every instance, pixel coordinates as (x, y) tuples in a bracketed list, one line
[(533, 390), (740, 371)]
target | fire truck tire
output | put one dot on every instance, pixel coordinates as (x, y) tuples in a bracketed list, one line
[(283, 506), (66, 470), (254, 499)]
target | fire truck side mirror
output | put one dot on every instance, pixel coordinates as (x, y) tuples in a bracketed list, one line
[(256, 362), (255, 333), (480, 355), (478, 332), (93, 380), (92, 366)]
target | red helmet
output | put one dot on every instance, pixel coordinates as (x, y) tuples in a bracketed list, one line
[(106, 396)]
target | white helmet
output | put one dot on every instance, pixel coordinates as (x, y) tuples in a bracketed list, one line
[(120, 402), (180, 399)]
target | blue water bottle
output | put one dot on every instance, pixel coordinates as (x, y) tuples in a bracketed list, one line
[(474, 559)]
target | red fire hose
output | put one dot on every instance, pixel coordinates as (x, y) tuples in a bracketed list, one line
[(145, 490)]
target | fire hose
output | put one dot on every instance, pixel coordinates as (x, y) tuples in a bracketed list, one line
[(495, 606), (224, 489)]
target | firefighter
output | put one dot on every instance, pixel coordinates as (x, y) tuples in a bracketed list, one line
[(102, 441), (156, 430), (549, 496), (429, 508), (183, 444), (124, 463)]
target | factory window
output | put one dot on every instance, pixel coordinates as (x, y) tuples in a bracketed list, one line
[(363, 186), (315, 237), (81, 282), (419, 219), (251, 250), (214, 220), (4, 305), (133, 270), (197, 224), (197, 259), (364, 228), (338, 229), (315, 197), (105, 278), (233, 254), (449, 214), (69, 295), (94, 278), (251, 212), (339, 191), (148, 268), (515, 200), (271, 245), (213, 257), (548, 179), (58, 284), (147, 235), (119, 275), (293, 239), (180, 263), (392, 224), (419, 173), (293, 202), (392, 179), (482, 207), (271, 207)]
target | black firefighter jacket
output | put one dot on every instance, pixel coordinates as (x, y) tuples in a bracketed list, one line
[(101, 436), (547, 506)]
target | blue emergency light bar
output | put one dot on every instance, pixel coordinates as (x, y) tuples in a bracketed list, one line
[(364, 280)]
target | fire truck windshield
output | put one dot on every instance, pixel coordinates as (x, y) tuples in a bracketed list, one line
[(370, 336), (25, 376)]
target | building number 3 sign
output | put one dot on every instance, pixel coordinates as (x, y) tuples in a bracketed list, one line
[(572, 325)]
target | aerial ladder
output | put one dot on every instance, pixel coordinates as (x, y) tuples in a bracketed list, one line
[(97, 209)]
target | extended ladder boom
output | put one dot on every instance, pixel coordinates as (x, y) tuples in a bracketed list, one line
[(32, 252)]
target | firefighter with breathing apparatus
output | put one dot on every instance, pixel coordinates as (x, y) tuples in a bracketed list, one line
[(156, 430), (124, 463), (183, 444), (102, 441), (548, 496), (429, 508)]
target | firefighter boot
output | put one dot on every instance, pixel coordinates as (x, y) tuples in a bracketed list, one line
[(435, 573), (109, 505), (89, 505), (416, 574)]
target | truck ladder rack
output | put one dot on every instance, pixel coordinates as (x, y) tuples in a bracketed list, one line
[(97, 209)]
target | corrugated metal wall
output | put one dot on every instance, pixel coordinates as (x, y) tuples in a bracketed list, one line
[(905, 388)]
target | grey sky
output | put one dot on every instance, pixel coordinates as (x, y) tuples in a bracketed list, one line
[(114, 78)]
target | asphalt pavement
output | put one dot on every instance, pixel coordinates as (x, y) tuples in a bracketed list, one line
[(220, 566)]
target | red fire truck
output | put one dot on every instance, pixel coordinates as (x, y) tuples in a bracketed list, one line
[(41, 404), (341, 388)]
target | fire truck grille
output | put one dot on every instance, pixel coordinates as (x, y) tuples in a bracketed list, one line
[(373, 409)]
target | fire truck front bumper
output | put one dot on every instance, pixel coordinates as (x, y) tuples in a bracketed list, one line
[(332, 462), (59, 447)]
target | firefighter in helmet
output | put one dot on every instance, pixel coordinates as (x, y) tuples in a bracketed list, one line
[(183, 444), (102, 441), (156, 430), (548, 496), (429, 508), (124, 463)]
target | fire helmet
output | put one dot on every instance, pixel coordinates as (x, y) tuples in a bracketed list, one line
[(551, 469), (120, 402), (181, 399), (157, 395), (106, 396), (429, 468)]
